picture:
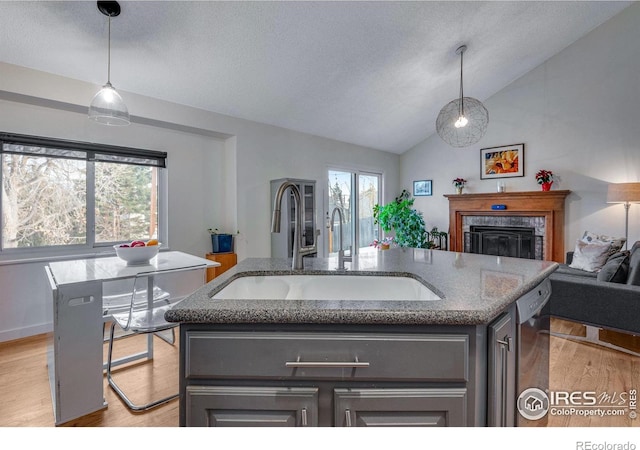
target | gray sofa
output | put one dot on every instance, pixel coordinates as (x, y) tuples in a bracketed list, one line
[(608, 299)]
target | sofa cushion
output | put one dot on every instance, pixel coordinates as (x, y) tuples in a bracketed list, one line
[(590, 256), (616, 269), (634, 265), (566, 269), (616, 243)]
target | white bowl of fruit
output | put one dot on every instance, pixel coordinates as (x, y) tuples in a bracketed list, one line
[(138, 253)]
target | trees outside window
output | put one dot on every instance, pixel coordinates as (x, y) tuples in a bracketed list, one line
[(54, 196)]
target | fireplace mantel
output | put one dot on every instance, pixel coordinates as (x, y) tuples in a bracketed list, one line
[(547, 204)]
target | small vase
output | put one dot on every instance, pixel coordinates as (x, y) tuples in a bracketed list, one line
[(547, 186), (458, 190), (384, 246)]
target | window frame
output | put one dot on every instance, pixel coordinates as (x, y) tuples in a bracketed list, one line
[(93, 153)]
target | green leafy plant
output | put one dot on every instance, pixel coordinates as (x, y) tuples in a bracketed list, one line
[(407, 223)]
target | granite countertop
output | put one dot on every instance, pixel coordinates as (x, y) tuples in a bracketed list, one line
[(474, 290)]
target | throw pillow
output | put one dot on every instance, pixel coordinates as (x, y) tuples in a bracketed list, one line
[(616, 269), (590, 256), (616, 243), (634, 265)]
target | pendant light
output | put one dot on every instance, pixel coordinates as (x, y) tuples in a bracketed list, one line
[(107, 107), (463, 121)]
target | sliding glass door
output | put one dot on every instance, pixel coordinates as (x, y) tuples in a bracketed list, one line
[(354, 193)]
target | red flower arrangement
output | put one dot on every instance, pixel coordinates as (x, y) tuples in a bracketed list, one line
[(544, 176)]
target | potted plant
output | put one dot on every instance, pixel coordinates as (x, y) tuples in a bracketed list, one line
[(545, 179), (221, 242), (383, 244), (459, 183), (400, 217)]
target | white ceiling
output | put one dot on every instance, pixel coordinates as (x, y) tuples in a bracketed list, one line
[(369, 73)]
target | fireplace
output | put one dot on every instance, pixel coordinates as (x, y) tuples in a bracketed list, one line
[(471, 217), (518, 242)]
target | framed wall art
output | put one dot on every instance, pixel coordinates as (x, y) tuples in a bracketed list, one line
[(502, 162), (421, 187)]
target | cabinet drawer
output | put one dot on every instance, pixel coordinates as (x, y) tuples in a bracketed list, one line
[(327, 356)]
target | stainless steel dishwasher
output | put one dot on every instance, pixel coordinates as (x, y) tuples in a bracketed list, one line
[(533, 324)]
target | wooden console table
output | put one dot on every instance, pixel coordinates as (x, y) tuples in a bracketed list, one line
[(549, 204)]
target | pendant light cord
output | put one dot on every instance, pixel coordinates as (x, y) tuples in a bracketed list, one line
[(461, 88), (109, 56)]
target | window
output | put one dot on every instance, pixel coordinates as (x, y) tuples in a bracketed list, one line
[(355, 193), (61, 194)]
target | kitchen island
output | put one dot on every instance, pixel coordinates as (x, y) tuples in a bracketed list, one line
[(450, 360)]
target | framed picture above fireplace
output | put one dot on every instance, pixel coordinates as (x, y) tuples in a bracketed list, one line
[(502, 162)]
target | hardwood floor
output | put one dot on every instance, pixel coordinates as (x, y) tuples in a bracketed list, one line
[(577, 366), (25, 399)]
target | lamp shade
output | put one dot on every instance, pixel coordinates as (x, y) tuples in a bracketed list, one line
[(108, 108), (623, 193)]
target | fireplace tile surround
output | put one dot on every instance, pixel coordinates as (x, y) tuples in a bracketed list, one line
[(541, 210)]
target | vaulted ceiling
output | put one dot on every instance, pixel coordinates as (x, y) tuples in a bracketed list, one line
[(369, 73)]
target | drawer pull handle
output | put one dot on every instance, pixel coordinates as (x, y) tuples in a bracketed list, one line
[(347, 417), (326, 364), (304, 417)]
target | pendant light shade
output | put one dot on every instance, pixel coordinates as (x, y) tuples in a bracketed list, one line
[(463, 121), (107, 107)]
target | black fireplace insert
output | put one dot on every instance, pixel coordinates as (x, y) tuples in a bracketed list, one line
[(517, 242)]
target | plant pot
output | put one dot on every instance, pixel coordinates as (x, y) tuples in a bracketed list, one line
[(384, 246), (547, 186), (222, 243)]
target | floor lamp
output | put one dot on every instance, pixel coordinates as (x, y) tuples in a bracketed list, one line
[(626, 193)]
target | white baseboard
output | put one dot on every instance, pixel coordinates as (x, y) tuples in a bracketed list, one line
[(19, 333)]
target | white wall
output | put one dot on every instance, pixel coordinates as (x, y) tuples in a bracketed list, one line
[(577, 115), (219, 170)]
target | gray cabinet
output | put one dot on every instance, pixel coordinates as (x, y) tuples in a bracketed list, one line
[(501, 362), (400, 407), (301, 378), (243, 406), (282, 243)]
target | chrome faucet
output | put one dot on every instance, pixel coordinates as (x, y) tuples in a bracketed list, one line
[(341, 257), (299, 250)]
